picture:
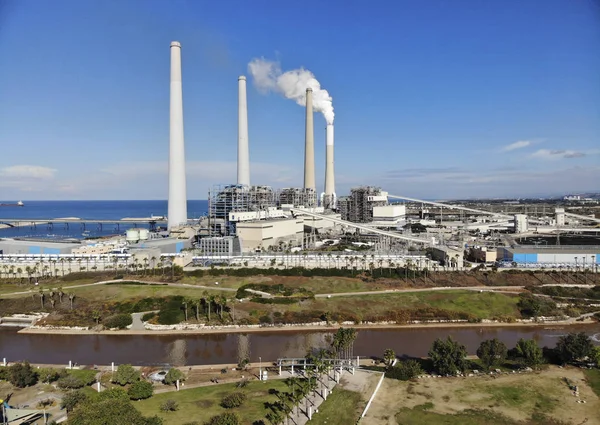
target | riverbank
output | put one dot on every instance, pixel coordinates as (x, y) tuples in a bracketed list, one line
[(295, 328)]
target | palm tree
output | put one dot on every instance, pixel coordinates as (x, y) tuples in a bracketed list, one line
[(71, 298), (96, 316), (153, 260), (60, 293), (20, 273), (185, 307), (41, 292)]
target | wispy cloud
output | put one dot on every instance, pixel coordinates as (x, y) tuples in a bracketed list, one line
[(558, 154), (27, 172), (516, 145)]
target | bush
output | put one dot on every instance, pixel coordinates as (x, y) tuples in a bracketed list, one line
[(148, 316), (22, 375), (224, 419), (233, 400), (140, 390), (87, 376), (70, 382), (405, 371), (574, 346), (48, 374), (119, 321), (169, 406), (126, 374)]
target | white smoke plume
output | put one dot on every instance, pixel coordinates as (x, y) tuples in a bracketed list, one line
[(267, 76)]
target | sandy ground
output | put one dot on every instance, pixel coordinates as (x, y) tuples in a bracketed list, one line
[(28, 398), (243, 329), (452, 395)]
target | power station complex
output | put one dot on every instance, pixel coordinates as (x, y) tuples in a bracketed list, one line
[(248, 221)]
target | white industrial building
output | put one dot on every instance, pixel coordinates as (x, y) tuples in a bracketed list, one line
[(581, 256), (521, 223), (257, 235)]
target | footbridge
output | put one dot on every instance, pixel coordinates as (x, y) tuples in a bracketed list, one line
[(50, 222)]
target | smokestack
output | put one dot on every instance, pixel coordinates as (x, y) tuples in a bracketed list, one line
[(309, 145), (177, 213), (243, 171), (329, 199)]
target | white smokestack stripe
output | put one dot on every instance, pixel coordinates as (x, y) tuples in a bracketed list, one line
[(177, 213), (309, 145), (243, 170), (329, 173)]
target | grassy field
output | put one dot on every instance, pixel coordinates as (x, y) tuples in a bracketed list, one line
[(593, 379), (533, 398), (200, 404), (339, 409), (124, 292)]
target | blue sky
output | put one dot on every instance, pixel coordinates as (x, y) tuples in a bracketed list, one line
[(433, 99)]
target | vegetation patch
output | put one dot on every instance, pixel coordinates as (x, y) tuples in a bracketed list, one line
[(340, 408), (420, 415)]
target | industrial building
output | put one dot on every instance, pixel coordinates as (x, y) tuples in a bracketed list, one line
[(358, 207), (31, 246), (262, 234), (226, 245), (582, 256)]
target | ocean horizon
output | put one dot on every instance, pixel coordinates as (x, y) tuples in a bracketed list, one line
[(88, 210)]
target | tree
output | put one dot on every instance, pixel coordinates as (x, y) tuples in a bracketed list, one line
[(448, 356), (528, 352), (71, 298), (491, 352), (224, 419), (22, 375), (140, 390), (529, 305), (174, 375), (71, 399), (574, 347), (126, 374), (595, 356), (389, 356)]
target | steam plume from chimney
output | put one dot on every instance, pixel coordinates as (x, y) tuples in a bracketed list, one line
[(268, 76)]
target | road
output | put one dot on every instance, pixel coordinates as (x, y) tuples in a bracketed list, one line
[(501, 289)]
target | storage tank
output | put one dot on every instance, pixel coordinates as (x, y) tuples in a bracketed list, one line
[(133, 235), (144, 234)]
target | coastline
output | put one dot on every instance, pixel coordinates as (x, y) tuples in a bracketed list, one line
[(301, 328)]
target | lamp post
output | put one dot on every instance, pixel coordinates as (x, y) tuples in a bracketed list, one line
[(259, 368)]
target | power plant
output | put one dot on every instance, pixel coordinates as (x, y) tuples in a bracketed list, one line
[(177, 209), (247, 219)]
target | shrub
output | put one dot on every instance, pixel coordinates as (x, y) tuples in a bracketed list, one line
[(119, 321), (140, 390), (22, 375), (233, 400), (224, 419), (87, 376), (405, 371), (169, 406), (48, 374), (148, 316), (70, 382), (574, 346)]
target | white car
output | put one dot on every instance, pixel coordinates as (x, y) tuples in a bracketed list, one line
[(158, 376)]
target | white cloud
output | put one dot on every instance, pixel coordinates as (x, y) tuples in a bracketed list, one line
[(557, 154), (516, 145), (28, 172)]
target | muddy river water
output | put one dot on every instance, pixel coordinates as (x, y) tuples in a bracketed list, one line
[(199, 349)]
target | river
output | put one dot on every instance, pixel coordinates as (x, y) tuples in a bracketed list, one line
[(197, 349)]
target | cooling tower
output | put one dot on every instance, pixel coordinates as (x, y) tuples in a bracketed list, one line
[(177, 213), (309, 145), (243, 170), (329, 198)]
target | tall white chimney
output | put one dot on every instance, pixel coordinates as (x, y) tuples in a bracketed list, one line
[(177, 213), (329, 198), (243, 170), (309, 145)]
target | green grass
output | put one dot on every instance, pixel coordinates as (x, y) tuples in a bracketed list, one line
[(86, 375), (593, 378), (341, 408), (126, 292), (200, 404), (481, 305)]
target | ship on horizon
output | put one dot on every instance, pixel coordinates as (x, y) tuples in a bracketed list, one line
[(17, 204)]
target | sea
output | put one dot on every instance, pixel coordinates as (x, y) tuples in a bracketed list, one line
[(89, 210)]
